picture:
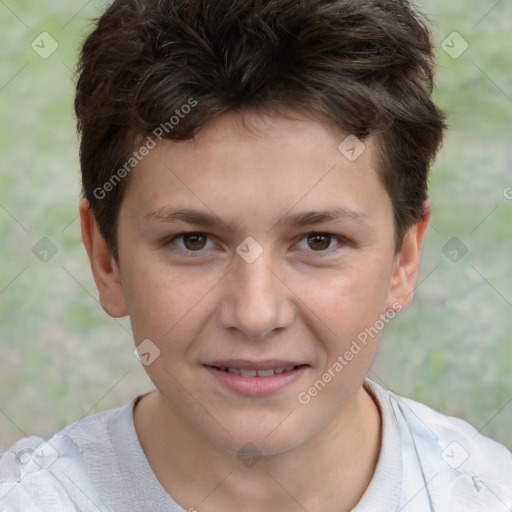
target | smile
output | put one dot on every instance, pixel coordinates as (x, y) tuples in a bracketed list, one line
[(256, 379), (247, 372)]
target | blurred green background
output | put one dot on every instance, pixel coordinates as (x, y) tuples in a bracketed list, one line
[(62, 357)]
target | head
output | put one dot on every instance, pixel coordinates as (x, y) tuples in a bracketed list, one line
[(252, 112)]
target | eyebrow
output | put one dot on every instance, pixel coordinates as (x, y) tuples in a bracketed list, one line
[(210, 220)]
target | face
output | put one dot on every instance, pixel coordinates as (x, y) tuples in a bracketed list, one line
[(246, 251)]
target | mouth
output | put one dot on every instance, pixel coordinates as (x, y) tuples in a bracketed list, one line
[(251, 372), (256, 379)]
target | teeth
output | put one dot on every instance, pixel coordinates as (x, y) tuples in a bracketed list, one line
[(248, 373), (266, 373), (245, 372)]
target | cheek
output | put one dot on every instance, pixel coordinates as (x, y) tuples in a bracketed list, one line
[(347, 315), (348, 301), (159, 300), (347, 318), (167, 306)]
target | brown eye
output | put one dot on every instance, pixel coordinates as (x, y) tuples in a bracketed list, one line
[(194, 241), (319, 241), (190, 244)]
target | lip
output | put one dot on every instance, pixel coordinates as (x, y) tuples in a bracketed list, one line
[(265, 364), (256, 386)]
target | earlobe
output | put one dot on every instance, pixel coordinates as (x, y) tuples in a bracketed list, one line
[(104, 268), (405, 272)]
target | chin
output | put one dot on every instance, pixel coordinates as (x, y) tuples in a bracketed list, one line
[(244, 446), (261, 439)]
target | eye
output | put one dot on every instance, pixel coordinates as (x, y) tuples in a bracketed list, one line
[(319, 242), (197, 242), (191, 242)]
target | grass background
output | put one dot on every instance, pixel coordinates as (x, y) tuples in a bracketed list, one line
[(62, 357)]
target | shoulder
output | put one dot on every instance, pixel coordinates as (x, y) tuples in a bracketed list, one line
[(63, 470), (463, 468)]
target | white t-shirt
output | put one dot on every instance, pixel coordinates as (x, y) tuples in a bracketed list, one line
[(428, 462)]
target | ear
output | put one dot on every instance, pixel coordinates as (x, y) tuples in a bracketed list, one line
[(405, 272), (104, 269)]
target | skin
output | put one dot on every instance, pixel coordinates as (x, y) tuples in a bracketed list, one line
[(292, 301)]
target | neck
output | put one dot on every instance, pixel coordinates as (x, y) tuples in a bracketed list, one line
[(328, 471)]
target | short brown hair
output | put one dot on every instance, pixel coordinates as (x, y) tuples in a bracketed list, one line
[(366, 65)]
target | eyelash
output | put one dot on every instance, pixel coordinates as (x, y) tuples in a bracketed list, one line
[(199, 253)]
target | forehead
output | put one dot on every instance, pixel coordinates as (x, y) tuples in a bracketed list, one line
[(258, 164)]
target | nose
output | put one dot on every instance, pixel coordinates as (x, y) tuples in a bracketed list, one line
[(256, 302)]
